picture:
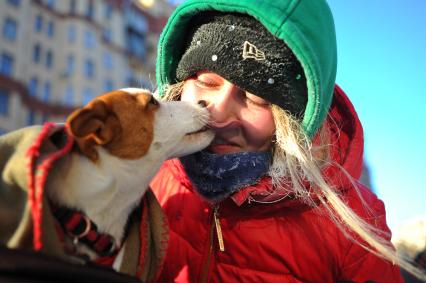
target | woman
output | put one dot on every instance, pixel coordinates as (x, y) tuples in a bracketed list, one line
[(274, 198)]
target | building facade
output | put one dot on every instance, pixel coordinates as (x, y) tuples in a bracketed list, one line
[(58, 55)]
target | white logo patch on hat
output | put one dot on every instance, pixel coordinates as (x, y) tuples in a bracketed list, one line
[(251, 51)]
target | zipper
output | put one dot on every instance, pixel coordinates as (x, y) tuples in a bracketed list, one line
[(206, 267), (218, 228), (215, 226)]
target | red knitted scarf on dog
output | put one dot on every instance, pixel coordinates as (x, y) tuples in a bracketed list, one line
[(37, 176)]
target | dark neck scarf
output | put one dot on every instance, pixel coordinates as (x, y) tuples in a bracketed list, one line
[(217, 176)]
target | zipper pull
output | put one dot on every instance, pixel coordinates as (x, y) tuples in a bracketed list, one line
[(218, 229)]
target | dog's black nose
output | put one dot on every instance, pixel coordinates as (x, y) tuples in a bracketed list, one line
[(202, 103)]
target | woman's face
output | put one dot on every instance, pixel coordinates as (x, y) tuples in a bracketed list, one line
[(242, 121)]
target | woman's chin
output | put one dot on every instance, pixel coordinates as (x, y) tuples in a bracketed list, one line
[(224, 148)]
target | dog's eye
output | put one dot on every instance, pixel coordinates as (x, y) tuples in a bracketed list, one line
[(153, 101)]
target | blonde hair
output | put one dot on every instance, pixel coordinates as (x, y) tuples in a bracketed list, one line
[(297, 161)]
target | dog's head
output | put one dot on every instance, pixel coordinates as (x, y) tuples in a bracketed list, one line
[(131, 123)]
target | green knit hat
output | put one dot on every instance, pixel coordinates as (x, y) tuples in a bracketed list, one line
[(305, 26)]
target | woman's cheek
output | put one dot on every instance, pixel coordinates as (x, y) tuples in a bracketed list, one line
[(259, 129)]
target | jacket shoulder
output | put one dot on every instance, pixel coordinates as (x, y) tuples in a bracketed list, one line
[(356, 261), (168, 181)]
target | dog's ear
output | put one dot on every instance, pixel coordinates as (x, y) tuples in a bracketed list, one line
[(93, 125)]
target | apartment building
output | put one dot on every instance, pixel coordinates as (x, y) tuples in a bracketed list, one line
[(56, 55)]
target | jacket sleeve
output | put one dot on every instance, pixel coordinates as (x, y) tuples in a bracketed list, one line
[(360, 265), (15, 217)]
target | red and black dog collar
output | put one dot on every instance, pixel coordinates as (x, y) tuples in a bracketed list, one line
[(79, 227)]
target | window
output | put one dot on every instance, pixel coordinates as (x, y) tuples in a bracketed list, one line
[(137, 21), (70, 65), (73, 6), (108, 60), (38, 25), (15, 3), (4, 102), (108, 10), (135, 43), (90, 10), (50, 29), (107, 34), (50, 3), (88, 95), (10, 29), (89, 39), (108, 85), (33, 86), (6, 64), (49, 59), (89, 68), (46, 91), (31, 118), (71, 34), (36, 53), (68, 98)]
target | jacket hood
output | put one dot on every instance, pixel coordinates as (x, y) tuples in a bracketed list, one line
[(306, 26), (347, 149)]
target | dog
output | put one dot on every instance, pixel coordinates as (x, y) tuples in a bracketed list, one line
[(121, 140)]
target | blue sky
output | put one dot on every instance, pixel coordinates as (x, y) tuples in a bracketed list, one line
[(382, 68)]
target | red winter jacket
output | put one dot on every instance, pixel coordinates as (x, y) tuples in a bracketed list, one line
[(285, 241)]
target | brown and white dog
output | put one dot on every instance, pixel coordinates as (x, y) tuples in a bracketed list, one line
[(122, 139)]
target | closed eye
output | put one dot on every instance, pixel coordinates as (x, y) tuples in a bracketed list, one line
[(254, 99), (208, 80), (205, 83)]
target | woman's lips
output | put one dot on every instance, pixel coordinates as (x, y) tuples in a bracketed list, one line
[(223, 146)]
